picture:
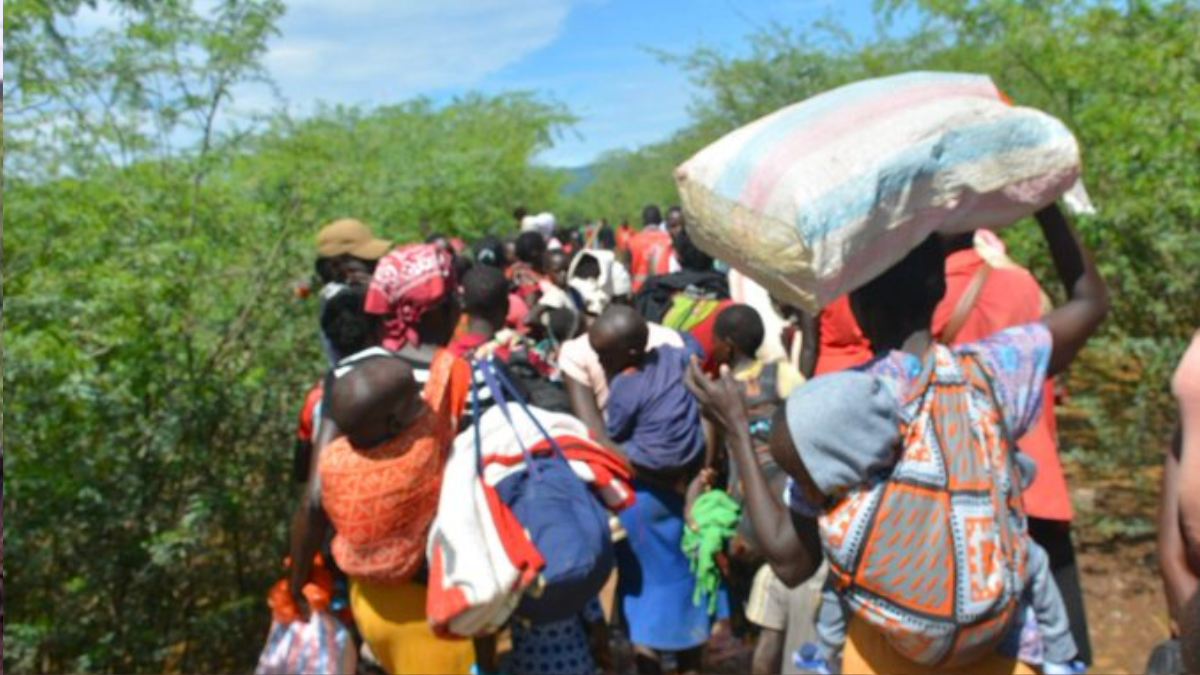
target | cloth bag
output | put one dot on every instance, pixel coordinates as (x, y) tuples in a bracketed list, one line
[(564, 520), (933, 554), (480, 558), (818, 198)]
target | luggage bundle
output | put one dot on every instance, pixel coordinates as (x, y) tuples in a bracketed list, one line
[(522, 525), (818, 198)]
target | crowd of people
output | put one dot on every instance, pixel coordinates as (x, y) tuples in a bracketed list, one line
[(727, 405)]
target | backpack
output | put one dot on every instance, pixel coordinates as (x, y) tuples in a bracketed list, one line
[(933, 554), (566, 523)]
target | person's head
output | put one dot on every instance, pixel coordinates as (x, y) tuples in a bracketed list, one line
[(901, 301), (651, 215), (489, 251), (588, 267), (531, 249), (485, 295), (619, 337), (440, 240), (348, 327), (376, 400), (347, 251), (562, 324), (833, 432), (510, 251), (519, 214), (557, 262), (345, 269), (675, 221), (419, 286), (739, 332), (690, 257), (606, 238)]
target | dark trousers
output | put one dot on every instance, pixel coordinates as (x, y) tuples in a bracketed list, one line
[(1055, 537)]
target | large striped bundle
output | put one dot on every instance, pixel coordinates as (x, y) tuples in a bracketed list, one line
[(816, 199)]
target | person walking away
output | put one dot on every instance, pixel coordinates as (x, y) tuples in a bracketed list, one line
[(983, 298), (420, 311), (687, 300), (650, 250), (349, 330), (656, 422), (379, 488), (784, 615), (347, 253), (895, 312)]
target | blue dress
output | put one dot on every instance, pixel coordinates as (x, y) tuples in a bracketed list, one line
[(655, 582)]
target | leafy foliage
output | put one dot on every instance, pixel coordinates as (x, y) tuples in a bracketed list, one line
[(155, 356)]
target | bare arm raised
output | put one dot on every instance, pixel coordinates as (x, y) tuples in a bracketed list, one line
[(1087, 295)]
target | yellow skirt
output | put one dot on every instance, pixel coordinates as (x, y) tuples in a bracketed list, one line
[(391, 619), (867, 652)]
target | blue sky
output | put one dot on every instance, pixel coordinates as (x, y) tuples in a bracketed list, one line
[(591, 55)]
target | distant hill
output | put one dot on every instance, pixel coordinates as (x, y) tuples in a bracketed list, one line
[(578, 178)]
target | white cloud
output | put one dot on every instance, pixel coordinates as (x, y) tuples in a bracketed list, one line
[(375, 51)]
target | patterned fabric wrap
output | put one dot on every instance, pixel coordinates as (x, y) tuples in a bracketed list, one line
[(408, 282), (319, 646), (815, 199), (382, 500), (933, 555)]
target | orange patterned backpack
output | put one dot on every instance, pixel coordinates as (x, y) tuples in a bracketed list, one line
[(933, 554)]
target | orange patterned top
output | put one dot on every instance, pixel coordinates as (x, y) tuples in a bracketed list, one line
[(381, 501)]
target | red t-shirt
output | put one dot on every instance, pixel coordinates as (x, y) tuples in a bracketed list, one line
[(649, 255), (1011, 297), (703, 332), (842, 343)]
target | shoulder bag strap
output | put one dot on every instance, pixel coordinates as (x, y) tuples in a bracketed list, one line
[(966, 302)]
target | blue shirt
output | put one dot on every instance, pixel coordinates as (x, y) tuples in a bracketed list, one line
[(652, 414)]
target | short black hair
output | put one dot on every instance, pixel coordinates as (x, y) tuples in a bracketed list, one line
[(489, 250), (531, 248), (484, 290), (742, 325), (905, 296), (436, 236), (606, 238), (520, 212), (651, 215), (462, 265), (347, 325), (562, 323), (327, 268), (675, 209), (690, 257)]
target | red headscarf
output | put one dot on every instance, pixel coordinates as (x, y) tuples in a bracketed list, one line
[(408, 282)]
